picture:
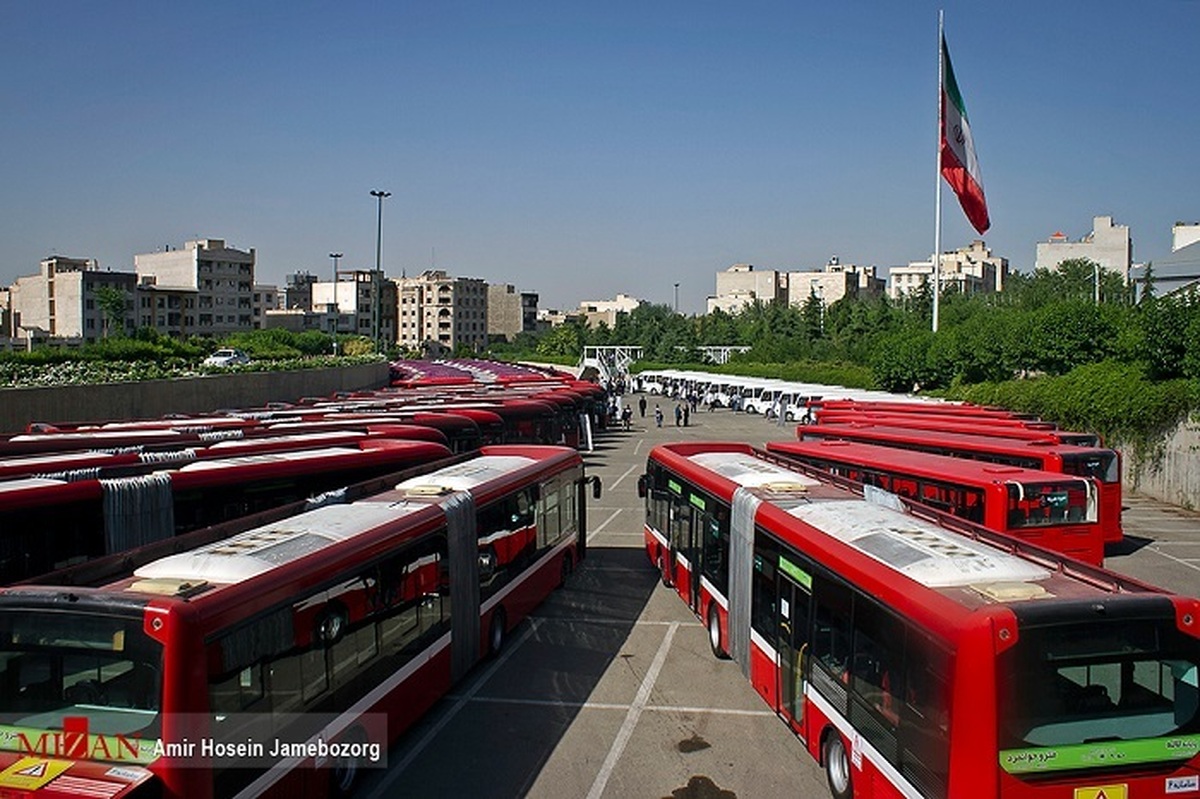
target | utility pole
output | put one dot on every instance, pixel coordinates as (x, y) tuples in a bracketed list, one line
[(376, 293), (337, 311)]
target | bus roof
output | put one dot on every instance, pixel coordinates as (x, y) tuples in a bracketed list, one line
[(914, 547), (960, 561), (917, 464), (965, 441)]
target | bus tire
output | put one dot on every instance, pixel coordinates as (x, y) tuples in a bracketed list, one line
[(714, 633), (662, 570), (497, 632), (345, 771), (837, 766)]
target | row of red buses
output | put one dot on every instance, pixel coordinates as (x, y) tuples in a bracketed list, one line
[(918, 655), (49, 523), (306, 629), (1050, 509), (958, 410), (75, 461), (1103, 465), (1000, 428)]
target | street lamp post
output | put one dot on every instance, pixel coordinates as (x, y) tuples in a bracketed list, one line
[(337, 311), (676, 298), (1096, 280), (376, 297)]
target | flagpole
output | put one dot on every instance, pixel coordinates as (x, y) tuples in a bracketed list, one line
[(937, 178)]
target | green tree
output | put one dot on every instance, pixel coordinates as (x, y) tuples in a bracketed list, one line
[(114, 305)]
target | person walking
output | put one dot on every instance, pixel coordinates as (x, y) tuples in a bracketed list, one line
[(642, 406), (678, 414), (686, 414), (627, 416), (658, 416)]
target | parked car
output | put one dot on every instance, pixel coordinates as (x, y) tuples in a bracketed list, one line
[(227, 357)]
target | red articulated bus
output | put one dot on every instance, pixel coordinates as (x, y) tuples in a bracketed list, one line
[(960, 410), (74, 462), (1000, 428), (919, 655), (1049, 509), (1103, 465), (50, 523), (302, 630)]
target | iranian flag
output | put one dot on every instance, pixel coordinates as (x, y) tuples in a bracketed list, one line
[(960, 168)]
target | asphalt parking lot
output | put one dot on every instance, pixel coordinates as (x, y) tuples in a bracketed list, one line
[(610, 690)]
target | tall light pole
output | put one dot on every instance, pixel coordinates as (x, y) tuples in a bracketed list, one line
[(1096, 280), (676, 298), (376, 297), (337, 312)]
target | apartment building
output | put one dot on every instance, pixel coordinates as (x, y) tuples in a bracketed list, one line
[(740, 285), (971, 270), (439, 313), (835, 281), (63, 300), (510, 312), (1108, 245), (205, 288)]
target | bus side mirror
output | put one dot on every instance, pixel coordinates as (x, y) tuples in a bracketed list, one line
[(596, 487), (641, 486)]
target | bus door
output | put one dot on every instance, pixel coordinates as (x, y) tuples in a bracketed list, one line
[(795, 598), (683, 547)]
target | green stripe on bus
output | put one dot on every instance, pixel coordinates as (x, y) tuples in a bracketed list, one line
[(795, 572), (698, 502), (1099, 755), (676, 487)]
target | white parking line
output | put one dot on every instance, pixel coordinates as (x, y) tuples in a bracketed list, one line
[(599, 529), (617, 482), (631, 718), (385, 787)]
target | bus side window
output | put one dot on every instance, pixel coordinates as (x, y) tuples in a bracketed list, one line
[(831, 636)]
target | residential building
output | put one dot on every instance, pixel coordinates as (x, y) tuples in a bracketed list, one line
[(510, 312), (213, 283), (835, 281), (740, 285), (297, 291), (64, 300), (356, 297), (971, 270), (595, 312), (1179, 271), (439, 313), (266, 298), (1108, 245)]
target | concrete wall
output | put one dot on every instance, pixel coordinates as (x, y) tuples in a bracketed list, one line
[(154, 398), (1175, 476)]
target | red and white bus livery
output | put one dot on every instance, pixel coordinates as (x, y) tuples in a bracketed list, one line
[(339, 614), (918, 655)]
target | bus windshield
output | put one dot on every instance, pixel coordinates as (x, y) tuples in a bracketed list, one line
[(1101, 465), (1044, 504), (1090, 694), (56, 665)]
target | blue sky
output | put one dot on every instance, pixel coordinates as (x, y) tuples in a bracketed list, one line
[(584, 149)]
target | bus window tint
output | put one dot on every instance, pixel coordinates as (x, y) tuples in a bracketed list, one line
[(1042, 505), (1094, 682), (924, 730), (54, 665), (831, 639), (1101, 465)]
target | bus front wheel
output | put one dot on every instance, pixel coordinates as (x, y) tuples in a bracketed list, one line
[(837, 767)]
